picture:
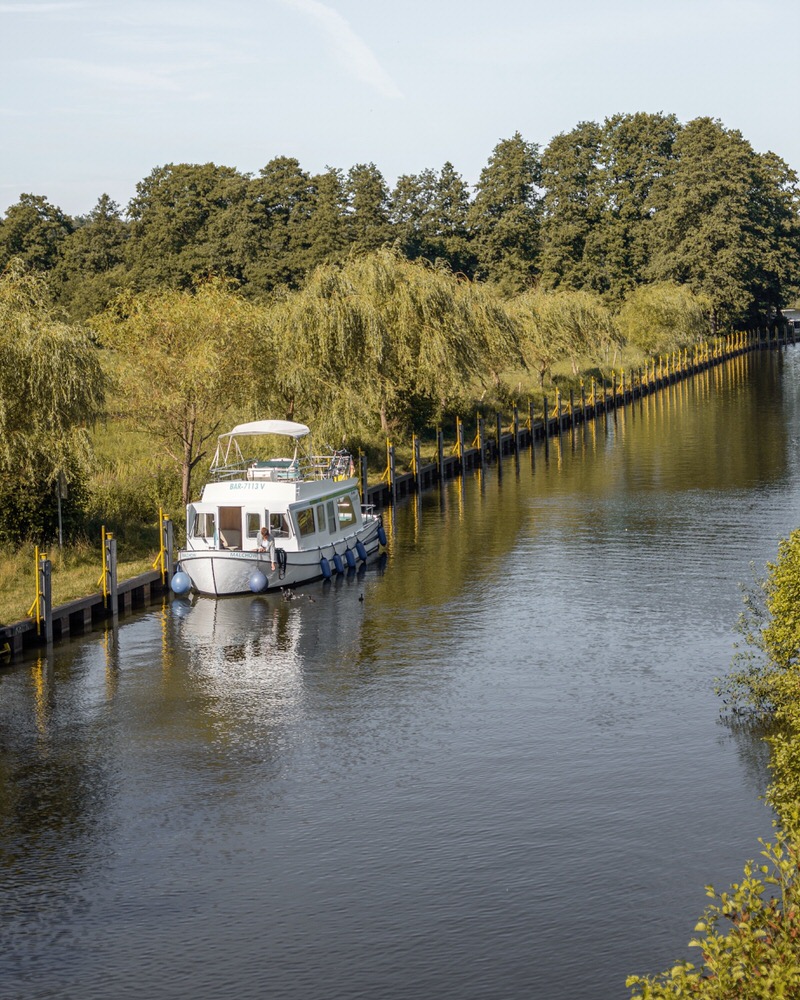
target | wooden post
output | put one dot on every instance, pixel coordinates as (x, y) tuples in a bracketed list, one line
[(392, 477), (546, 428), (532, 421), (499, 432), (168, 542), (440, 452), (417, 464), (111, 569), (46, 587)]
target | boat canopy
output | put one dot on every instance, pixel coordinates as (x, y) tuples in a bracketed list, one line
[(285, 427), (229, 456)]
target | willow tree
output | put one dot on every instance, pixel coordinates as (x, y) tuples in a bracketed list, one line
[(180, 360), (663, 317), (51, 389), (562, 325), (377, 339)]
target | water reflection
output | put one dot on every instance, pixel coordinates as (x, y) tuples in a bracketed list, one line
[(493, 769)]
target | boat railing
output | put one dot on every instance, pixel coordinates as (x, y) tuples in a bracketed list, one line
[(336, 465)]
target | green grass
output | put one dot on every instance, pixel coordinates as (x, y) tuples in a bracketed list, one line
[(76, 570)]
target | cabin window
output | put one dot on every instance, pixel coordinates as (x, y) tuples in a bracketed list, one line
[(331, 516), (278, 525), (321, 517), (203, 525), (253, 525), (305, 521), (347, 514)]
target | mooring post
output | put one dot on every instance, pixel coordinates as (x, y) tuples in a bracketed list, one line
[(168, 541), (546, 428), (558, 410), (392, 477), (499, 432), (460, 431), (515, 422), (440, 452), (482, 439), (417, 464), (362, 470), (571, 407), (532, 424), (46, 586), (111, 570)]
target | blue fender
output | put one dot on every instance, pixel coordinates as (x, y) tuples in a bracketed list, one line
[(325, 567), (181, 583), (257, 581), (350, 558), (338, 565), (362, 552)]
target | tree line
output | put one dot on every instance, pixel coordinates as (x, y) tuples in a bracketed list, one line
[(604, 208)]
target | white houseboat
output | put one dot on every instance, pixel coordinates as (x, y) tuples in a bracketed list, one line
[(310, 505)]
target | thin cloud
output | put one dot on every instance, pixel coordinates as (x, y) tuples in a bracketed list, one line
[(118, 76), (351, 51), (38, 8)]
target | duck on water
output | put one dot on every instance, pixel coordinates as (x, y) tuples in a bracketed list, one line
[(310, 505)]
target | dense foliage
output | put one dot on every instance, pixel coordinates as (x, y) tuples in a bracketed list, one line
[(604, 209), (51, 389), (749, 937)]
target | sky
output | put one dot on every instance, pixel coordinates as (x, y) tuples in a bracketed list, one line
[(95, 94)]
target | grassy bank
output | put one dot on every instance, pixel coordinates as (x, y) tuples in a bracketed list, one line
[(76, 570)]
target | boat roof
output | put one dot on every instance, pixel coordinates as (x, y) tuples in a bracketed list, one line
[(288, 428)]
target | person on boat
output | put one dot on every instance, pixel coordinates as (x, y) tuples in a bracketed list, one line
[(266, 543)]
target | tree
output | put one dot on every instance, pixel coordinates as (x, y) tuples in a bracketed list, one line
[(180, 360), (378, 338), (562, 324), (91, 270), (663, 317), (51, 390), (505, 215), (572, 204), (33, 231), (702, 233), (280, 202), (636, 151), (327, 225), (368, 208), (178, 235)]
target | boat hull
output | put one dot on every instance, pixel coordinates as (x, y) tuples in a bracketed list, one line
[(222, 572)]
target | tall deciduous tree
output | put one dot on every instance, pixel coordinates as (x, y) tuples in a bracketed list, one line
[(702, 230), (368, 208), (177, 233), (180, 360), (91, 270), (505, 215), (280, 203), (51, 389), (34, 232), (572, 205), (636, 151)]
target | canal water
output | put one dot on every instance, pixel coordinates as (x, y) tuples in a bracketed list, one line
[(492, 768)]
